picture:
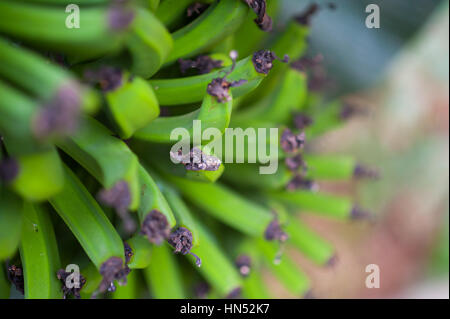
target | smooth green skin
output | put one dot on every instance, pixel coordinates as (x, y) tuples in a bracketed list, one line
[(152, 198), (5, 286), (225, 205), (216, 267), (287, 272), (40, 175), (219, 20), (181, 211), (39, 77), (211, 114), (11, 211), (130, 290), (164, 276), (153, 4), (330, 167), (142, 252), (46, 26), (308, 242), (288, 97), (193, 89), (86, 220), (93, 280), (16, 114), (39, 255), (248, 175), (326, 118), (133, 105), (149, 43), (104, 156), (317, 203), (253, 286)]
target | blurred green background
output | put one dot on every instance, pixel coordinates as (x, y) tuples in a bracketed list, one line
[(399, 73)]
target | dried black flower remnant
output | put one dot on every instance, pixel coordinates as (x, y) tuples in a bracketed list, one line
[(155, 227), (181, 240), (220, 87), (295, 163), (128, 252), (74, 291), (9, 169), (119, 16), (235, 293), (196, 160), (349, 110), (300, 182), (361, 171), (263, 20), (201, 290), (196, 9), (243, 263), (15, 276), (274, 232), (204, 64), (302, 121), (119, 197), (304, 18), (358, 213), (61, 114), (291, 142), (112, 269), (263, 61), (109, 78)]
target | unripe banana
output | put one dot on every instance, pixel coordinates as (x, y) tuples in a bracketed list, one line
[(100, 31), (219, 20), (11, 222), (39, 255)]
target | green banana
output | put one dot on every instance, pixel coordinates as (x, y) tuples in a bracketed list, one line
[(286, 271), (216, 268), (309, 243), (164, 276), (39, 255), (11, 213), (323, 204), (100, 30), (148, 43), (141, 250), (255, 220), (287, 98), (46, 81), (132, 105), (170, 12), (86, 220), (211, 114), (106, 158), (219, 20), (192, 89)]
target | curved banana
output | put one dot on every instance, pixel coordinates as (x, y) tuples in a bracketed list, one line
[(148, 43), (132, 105), (108, 159), (211, 114), (39, 255), (48, 82), (219, 20), (192, 89), (100, 32), (95, 233), (11, 213)]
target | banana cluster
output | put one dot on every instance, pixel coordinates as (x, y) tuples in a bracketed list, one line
[(86, 116)]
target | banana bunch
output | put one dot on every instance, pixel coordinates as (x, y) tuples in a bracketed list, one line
[(87, 180)]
